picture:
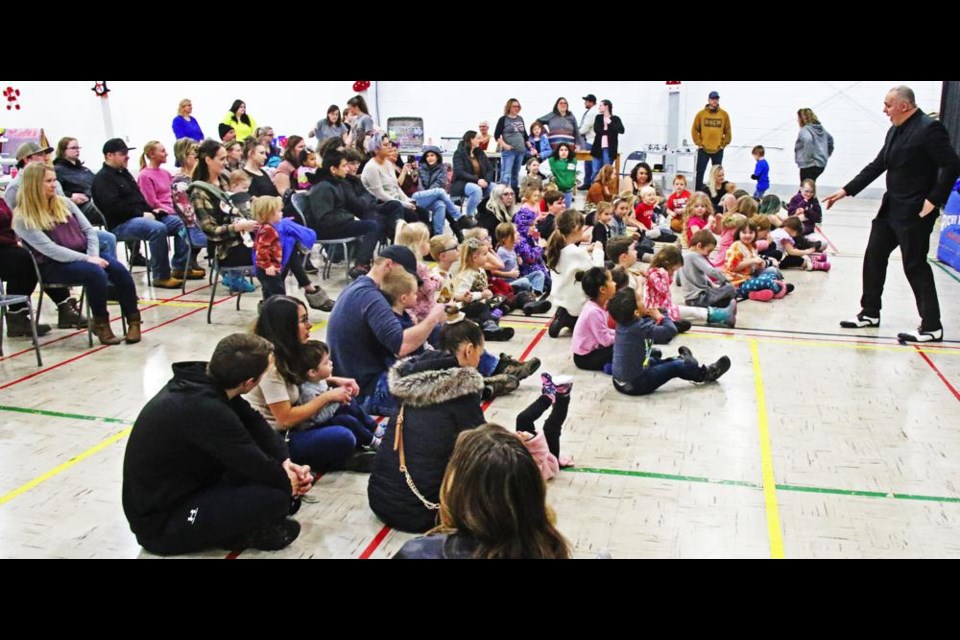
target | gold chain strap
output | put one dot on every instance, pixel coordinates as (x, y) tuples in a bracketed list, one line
[(398, 446)]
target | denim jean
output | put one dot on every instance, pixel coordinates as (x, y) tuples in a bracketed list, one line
[(568, 198), (598, 163), (108, 244), (535, 279), (474, 194), (440, 204), (96, 279), (323, 448), (658, 374), (510, 168), (702, 159), (156, 232)]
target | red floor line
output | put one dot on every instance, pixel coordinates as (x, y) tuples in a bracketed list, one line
[(956, 394), (368, 551), (84, 331), (829, 242), (102, 347)]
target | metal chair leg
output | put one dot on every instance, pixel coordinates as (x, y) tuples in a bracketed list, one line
[(213, 293), (33, 330)]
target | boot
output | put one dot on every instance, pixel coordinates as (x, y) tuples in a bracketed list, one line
[(457, 229), (318, 299), (133, 328), (723, 316), (717, 369), (499, 385), (101, 329), (69, 315), (18, 325)]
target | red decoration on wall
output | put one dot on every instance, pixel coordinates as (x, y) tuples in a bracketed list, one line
[(361, 85), (12, 97), (100, 88)]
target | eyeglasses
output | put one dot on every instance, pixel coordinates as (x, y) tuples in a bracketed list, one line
[(453, 248), (73, 148), (508, 193)]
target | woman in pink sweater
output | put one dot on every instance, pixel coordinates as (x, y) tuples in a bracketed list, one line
[(592, 343)]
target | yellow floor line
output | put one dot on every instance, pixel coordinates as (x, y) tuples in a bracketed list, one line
[(774, 529), (63, 467)]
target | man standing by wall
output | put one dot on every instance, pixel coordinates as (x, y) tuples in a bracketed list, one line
[(921, 167), (711, 133), (586, 131)]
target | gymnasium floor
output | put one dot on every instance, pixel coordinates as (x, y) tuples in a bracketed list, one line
[(817, 443)]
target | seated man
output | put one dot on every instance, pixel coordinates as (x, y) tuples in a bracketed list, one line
[(202, 468), (76, 180), (129, 217), (329, 215)]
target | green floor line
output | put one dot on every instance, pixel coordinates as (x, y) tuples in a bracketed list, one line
[(944, 269), (757, 485), (58, 414)]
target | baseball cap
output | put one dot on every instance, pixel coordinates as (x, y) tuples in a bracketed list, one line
[(403, 257), (113, 145), (714, 95)]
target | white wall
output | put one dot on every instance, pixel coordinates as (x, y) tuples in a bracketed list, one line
[(761, 112)]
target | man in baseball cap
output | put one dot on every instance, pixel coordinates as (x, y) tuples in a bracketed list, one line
[(711, 133), (116, 145), (27, 151)]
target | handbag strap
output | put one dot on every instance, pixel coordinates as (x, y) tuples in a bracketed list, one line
[(398, 446)]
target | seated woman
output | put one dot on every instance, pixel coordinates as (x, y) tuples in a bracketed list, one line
[(433, 192), (489, 460), (472, 172), (67, 250), (221, 222), (440, 394), (285, 322), (185, 151)]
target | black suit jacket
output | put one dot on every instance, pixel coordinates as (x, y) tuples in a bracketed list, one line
[(613, 135), (920, 164)]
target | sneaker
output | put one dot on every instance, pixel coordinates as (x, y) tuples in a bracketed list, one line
[(167, 283), (762, 296), (360, 462), (818, 257), (499, 385), (270, 538), (919, 335), (658, 355), (723, 316), (237, 284), (548, 388), (717, 369), (538, 306), (137, 260), (860, 321), (682, 325), (359, 270), (69, 315), (516, 368), (822, 265), (563, 384), (684, 352), (319, 299)]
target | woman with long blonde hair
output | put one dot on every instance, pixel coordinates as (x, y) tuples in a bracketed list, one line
[(487, 462), (67, 250)]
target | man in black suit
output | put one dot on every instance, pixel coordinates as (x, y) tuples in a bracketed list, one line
[(921, 167)]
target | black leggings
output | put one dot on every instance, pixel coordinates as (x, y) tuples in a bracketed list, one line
[(594, 360), (216, 517), (16, 269), (554, 423)]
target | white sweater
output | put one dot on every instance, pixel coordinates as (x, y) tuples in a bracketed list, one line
[(566, 291)]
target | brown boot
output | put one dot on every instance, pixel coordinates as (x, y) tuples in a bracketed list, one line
[(133, 328), (101, 329)]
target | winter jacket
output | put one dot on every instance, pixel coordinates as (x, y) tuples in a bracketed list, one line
[(433, 177), (612, 131), (439, 400), (463, 170)]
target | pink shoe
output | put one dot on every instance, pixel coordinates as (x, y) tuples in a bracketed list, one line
[(818, 257), (783, 290), (762, 296), (823, 265)]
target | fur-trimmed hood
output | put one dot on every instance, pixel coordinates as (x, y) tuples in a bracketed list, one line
[(431, 379)]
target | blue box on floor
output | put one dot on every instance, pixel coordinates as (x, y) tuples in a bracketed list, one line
[(949, 250)]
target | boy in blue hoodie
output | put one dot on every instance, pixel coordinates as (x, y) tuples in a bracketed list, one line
[(761, 172), (638, 368)]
